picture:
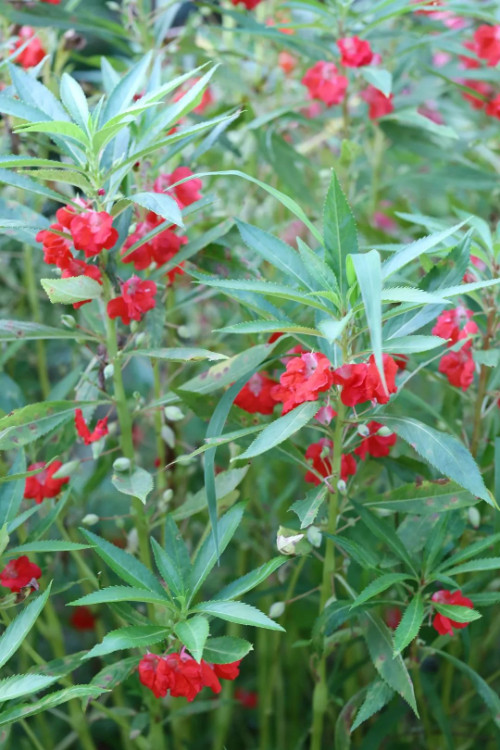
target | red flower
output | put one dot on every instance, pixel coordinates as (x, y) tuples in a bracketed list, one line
[(19, 573), (361, 382), (393, 617), (378, 103), (375, 445), (493, 107), (256, 396), (82, 619), (320, 453), (466, 60), (43, 485), (99, 431), (249, 4), (483, 89), (455, 325), (33, 53), (182, 675), (51, 2), (458, 368), (159, 250), (137, 298), (355, 52), (325, 415), (442, 624), (56, 249), (325, 83), (92, 231), (487, 43), (401, 360), (305, 377), (247, 698), (187, 193), (287, 62)]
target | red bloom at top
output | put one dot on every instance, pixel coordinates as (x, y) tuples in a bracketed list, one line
[(43, 484), (320, 453), (325, 83), (455, 325), (442, 624), (487, 43), (378, 103), (355, 52), (137, 298), (20, 573), (249, 4), (186, 193), (458, 367), (92, 231), (82, 619), (256, 396), (305, 377), (182, 675), (375, 445), (33, 53), (361, 382), (99, 431)]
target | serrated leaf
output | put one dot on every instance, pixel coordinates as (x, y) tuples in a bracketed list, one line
[(339, 230), (74, 99), (364, 556), (427, 498), (15, 330), (193, 633), (475, 566), (385, 533), (378, 77), (281, 429), (71, 290), (180, 354), (121, 594), (378, 695), (24, 684), (17, 713), (382, 583), (267, 288), (232, 369), (162, 204), (368, 270), (124, 638), (49, 545), (410, 624), (471, 550), (136, 482), (225, 483), (251, 580), (11, 494), (456, 612), (226, 649), (16, 632), (412, 344), (424, 245), (23, 426), (307, 509), (239, 612)]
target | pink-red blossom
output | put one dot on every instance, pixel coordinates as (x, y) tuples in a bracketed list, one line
[(256, 396), (379, 104), (325, 83), (43, 485), (88, 437), (320, 455), (305, 377), (375, 445), (20, 573), (444, 625), (355, 52), (181, 675), (137, 298)]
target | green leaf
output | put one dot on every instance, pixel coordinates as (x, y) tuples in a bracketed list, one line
[(24, 684), (52, 545), (124, 638), (127, 567), (378, 695), (55, 128), (225, 483), (114, 674), (181, 354), (471, 550), (340, 232), (414, 119), (16, 330), (412, 344), (369, 274), (35, 94), (270, 326), (382, 583), (123, 93), (160, 203), (75, 101), (226, 372), (249, 581), (168, 570), (267, 288), (392, 669), (424, 245), (193, 633), (383, 531), (363, 555), (17, 713), (475, 566), (11, 494), (74, 289), (308, 509), (136, 482), (281, 429), (16, 632), (226, 649), (427, 498), (456, 612), (121, 594), (442, 451), (244, 614), (410, 624), (23, 426), (378, 77)]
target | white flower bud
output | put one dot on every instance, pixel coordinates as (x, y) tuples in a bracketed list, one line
[(474, 517), (66, 470), (183, 332), (109, 371), (286, 544), (314, 536), (342, 486), (384, 432), (168, 495), (90, 519), (276, 610), (68, 321), (363, 430), (140, 338), (121, 464), (168, 435), (173, 413), (132, 541)]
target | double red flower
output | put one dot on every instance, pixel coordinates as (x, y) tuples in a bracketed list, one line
[(456, 325), (43, 484), (137, 298), (34, 52), (20, 573), (305, 377), (181, 675), (320, 454), (361, 382), (256, 396), (88, 437), (442, 624), (325, 83), (378, 103), (355, 52)]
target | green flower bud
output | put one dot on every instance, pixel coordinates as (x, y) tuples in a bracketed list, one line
[(90, 519), (121, 464)]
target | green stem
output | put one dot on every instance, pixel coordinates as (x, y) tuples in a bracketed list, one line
[(420, 698), (483, 382), (31, 287), (161, 478)]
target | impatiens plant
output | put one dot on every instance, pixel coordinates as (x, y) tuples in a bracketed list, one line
[(250, 374)]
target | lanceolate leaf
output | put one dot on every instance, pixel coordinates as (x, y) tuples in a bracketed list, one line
[(225, 649), (249, 581), (404, 256), (193, 633), (71, 290), (11, 493), (457, 613), (339, 229), (385, 533), (378, 585), (52, 700), (15, 330), (410, 624), (471, 550), (24, 684), (122, 594), (427, 498), (308, 509), (23, 426), (135, 637), (238, 612), (442, 451), (16, 632), (368, 272), (475, 566), (378, 695), (280, 430)]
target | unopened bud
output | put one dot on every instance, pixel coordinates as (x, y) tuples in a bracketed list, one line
[(132, 541), (474, 517), (168, 495), (101, 191), (276, 610), (90, 519), (314, 536), (66, 470), (173, 413), (168, 435), (183, 332), (109, 371), (134, 326), (68, 321), (342, 486), (363, 430), (287, 544), (121, 464), (384, 432), (140, 338)]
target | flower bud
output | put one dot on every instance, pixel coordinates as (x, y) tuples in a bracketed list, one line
[(68, 321), (66, 470), (276, 610), (109, 371), (132, 541), (140, 338), (173, 413), (384, 432), (314, 536), (168, 495), (474, 517), (342, 486), (90, 519), (168, 435), (183, 332), (286, 544), (363, 430), (121, 464)]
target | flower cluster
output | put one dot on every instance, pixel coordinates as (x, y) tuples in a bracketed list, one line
[(320, 454), (34, 52), (43, 485), (362, 382), (458, 366), (375, 445), (485, 47), (20, 573), (183, 676), (305, 377), (256, 396), (442, 624)]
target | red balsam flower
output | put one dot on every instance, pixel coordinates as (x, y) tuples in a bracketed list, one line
[(256, 396), (442, 624), (20, 573), (287, 62), (355, 52), (186, 193), (455, 325), (82, 619), (33, 53), (249, 4), (325, 83), (379, 104), (99, 431), (375, 445), (137, 298), (361, 382), (93, 232), (487, 44), (320, 454), (305, 377), (181, 675), (458, 367), (43, 484)]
